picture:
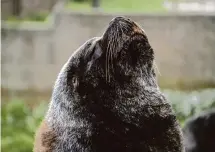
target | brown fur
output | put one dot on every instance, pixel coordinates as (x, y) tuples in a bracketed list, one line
[(106, 99), (137, 29), (45, 139)]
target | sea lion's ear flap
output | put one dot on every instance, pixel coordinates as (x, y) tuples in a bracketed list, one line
[(90, 51), (97, 51)]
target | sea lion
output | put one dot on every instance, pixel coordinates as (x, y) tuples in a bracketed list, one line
[(106, 99), (199, 132)]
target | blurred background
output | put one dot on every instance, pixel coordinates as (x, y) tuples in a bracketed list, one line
[(38, 37)]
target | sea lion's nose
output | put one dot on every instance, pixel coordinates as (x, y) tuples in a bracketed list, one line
[(119, 19)]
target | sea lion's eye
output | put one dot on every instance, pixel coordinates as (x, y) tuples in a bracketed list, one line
[(75, 81), (139, 45), (89, 64)]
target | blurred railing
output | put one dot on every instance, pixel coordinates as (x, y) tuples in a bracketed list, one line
[(190, 5)]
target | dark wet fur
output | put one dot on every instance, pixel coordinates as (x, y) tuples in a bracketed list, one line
[(199, 132), (106, 97)]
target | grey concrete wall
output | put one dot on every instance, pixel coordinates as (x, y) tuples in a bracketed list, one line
[(28, 7), (184, 46), (35, 6), (6, 9)]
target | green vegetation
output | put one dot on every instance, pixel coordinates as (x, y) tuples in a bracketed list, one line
[(19, 121), (182, 84), (187, 103), (35, 17), (128, 6)]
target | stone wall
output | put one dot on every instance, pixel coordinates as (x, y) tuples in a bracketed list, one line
[(6, 9), (35, 6), (28, 7), (184, 45)]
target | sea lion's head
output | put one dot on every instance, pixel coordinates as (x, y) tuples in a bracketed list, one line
[(121, 56), (127, 49)]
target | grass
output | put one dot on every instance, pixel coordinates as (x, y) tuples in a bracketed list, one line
[(19, 123), (36, 20), (35, 17), (185, 85), (128, 6)]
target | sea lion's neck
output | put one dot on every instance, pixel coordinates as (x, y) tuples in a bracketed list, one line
[(64, 108)]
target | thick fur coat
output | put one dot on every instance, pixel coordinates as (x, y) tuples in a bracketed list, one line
[(106, 99)]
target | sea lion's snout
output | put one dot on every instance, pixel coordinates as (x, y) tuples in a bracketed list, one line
[(125, 41), (120, 19), (126, 23), (121, 32), (126, 47)]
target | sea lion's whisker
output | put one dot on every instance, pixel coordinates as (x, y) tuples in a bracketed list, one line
[(108, 58), (109, 65), (141, 74), (111, 59), (106, 64), (156, 68), (111, 48), (115, 36), (154, 63)]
